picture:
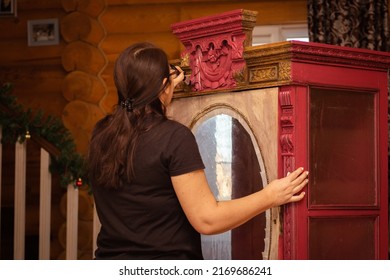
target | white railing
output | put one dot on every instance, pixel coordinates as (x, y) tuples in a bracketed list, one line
[(20, 200), (44, 208)]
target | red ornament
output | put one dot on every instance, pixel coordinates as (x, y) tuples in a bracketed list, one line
[(79, 182)]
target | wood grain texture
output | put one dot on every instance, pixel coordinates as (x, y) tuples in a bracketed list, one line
[(78, 26)]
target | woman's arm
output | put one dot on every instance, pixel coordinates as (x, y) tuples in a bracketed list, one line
[(209, 216)]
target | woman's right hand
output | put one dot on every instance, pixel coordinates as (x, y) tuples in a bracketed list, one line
[(179, 78), (288, 189)]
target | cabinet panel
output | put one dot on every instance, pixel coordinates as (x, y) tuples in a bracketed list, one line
[(343, 151), (347, 238)]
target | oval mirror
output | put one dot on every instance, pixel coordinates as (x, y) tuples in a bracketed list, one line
[(232, 170)]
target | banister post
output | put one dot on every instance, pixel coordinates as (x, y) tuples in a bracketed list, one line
[(72, 222), (20, 200), (44, 206)]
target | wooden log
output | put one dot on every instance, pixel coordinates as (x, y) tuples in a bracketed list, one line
[(151, 18), (109, 102), (35, 5), (69, 5), (84, 57), (90, 7), (32, 72), (83, 86), (15, 27), (78, 26), (84, 240), (16, 52), (51, 102), (82, 141), (80, 117), (115, 43), (33, 82)]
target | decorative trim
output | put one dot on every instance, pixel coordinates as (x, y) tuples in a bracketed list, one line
[(272, 74), (317, 53), (271, 65), (264, 74), (214, 49), (236, 20), (287, 150), (284, 73)]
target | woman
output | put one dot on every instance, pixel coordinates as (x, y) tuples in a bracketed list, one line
[(147, 175)]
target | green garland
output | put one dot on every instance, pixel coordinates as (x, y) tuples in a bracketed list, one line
[(16, 123)]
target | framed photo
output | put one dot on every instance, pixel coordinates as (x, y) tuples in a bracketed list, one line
[(43, 32), (7, 8)]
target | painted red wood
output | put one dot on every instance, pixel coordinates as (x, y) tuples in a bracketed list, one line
[(333, 121), (214, 47)]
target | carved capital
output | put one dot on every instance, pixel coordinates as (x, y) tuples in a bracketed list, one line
[(214, 48)]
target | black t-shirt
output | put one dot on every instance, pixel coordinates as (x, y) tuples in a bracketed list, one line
[(144, 220)]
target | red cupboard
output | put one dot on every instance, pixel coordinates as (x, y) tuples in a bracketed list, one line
[(296, 104), (333, 121)]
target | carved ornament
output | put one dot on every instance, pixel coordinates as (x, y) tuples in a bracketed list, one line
[(287, 152), (214, 48)]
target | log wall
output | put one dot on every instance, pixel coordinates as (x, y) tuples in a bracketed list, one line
[(73, 80)]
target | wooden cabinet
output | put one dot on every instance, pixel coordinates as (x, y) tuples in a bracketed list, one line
[(321, 107), (333, 121), (311, 105)]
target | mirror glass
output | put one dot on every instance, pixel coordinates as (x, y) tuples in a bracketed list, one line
[(233, 171)]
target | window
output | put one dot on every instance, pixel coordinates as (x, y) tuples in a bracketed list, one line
[(265, 34)]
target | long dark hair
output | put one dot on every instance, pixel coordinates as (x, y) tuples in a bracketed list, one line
[(138, 74)]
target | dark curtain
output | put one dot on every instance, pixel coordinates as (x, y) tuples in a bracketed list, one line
[(352, 23)]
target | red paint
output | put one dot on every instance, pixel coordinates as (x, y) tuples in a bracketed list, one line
[(214, 46), (310, 229)]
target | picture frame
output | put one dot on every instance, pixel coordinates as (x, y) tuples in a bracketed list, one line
[(8, 8), (43, 32)]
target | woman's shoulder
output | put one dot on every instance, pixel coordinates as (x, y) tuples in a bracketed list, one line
[(175, 125), (174, 129)]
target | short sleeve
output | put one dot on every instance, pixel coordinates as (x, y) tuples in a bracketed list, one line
[(183, 152)]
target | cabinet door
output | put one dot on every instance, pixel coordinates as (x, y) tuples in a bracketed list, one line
[(344, 215), (343, 202)]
